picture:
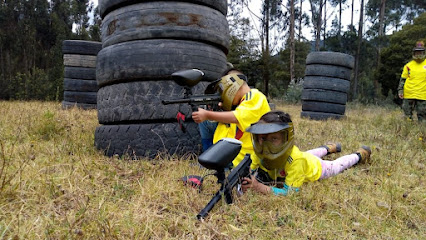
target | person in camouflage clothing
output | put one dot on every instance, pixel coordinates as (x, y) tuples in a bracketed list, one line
[(412, 85)]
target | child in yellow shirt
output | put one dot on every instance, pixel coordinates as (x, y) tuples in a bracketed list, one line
[(281, 160)]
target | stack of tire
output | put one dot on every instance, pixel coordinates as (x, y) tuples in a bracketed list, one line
[(326, 85), (143, 43), (80, 85)]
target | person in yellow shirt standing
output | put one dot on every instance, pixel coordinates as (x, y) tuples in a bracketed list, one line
[(283, 165), (412, 85), (241, 106)]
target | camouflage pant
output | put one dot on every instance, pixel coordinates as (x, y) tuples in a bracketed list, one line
[(410, 105)]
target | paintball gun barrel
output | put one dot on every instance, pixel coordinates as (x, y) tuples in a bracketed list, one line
[(218, 157)]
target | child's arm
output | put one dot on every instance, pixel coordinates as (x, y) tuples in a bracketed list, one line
[(224, 117), (262, 188), (251, 182)]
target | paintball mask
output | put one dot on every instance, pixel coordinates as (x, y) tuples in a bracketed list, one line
[(272, 142), (228, 87), (419, 52)]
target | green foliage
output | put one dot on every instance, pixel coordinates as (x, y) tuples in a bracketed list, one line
[(280, 82), (294, 92), (344, 44), (31, 36), (398, 53), (396, 12), (243, 53)]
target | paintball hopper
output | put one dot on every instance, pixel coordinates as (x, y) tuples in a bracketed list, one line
[(188, 78), (218, 156)]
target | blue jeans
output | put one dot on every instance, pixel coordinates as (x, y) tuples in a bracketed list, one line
[(207, 129)]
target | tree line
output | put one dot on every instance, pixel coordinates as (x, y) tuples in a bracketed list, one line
[(31, 35), (380, 51), (272, 55)]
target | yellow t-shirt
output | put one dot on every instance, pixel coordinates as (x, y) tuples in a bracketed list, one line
[(251, 108), (300, 167), (415, 83)]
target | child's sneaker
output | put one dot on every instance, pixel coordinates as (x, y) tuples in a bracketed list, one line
[(332, 147), (363, 153)]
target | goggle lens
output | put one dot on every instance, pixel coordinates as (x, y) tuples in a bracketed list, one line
[(271, 143)]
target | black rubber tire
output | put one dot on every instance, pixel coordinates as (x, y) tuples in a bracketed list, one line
[(84, 106), (326, 83), (81, 47), (320, 115), (313, 106), (320, 95), (80, 97), (157, 60), (166, 20), (328, 71), (77, 60), (80, 73), (106, 6), (147, 140), (141, 101), (331, 58), (80, 85)]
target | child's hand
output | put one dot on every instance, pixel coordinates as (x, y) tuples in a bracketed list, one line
[(246, 184), (200, 115), (255, 185)]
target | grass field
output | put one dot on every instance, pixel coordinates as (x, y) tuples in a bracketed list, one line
[(54, 184)]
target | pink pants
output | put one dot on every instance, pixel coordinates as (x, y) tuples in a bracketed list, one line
[(332, 168)]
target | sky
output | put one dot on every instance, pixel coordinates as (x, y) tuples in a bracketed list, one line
[(255, 6)]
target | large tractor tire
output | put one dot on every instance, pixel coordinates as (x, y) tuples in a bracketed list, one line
[(107, 6), (166, 20), (145, 60), (148, 140), (142, 101)]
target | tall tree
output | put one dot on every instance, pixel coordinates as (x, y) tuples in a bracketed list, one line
[(316, 13), (358, 52), (292, 44), (265, 45)]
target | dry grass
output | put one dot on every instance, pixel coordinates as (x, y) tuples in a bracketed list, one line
[(55, 185)]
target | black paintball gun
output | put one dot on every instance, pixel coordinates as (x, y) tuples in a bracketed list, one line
[(218, 157), (188, 79)]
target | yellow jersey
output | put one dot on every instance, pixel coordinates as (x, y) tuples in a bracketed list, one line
[(300, 167), (251, 108), (415, 83)]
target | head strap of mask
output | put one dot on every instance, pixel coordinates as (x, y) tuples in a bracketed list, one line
[(228, 87)]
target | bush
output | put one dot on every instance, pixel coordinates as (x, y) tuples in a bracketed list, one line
[(294, 92)]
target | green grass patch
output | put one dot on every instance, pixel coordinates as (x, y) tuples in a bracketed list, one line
[(54, 184)]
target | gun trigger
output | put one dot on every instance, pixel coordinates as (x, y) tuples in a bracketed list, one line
[(181, 119)]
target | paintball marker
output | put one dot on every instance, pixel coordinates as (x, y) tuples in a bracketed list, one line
[(218, 157), (188, 79)]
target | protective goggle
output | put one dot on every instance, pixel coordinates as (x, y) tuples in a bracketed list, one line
[(272, 143), (419, 54)]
